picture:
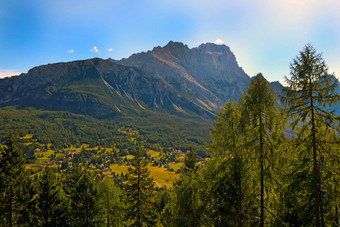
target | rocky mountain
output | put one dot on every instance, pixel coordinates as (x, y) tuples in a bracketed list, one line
[(207, 75), (175, 79), (94, 87)]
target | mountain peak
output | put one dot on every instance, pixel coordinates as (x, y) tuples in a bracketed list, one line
[(213, 47), (175, 45)]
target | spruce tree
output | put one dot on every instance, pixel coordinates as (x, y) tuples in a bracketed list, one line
[(311, 93), (83, 194), (51, 207), (12, 174), (139, 193), (190, 165), (28, 212), (186, 194)]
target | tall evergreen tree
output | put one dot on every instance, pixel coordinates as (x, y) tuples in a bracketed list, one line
[(260, 112), (190, 165), (51, 206), (227, 177), (84, 209), (186, 194), (28, 199), (12, 175), (110, 202), (308, 99), (139, 193)]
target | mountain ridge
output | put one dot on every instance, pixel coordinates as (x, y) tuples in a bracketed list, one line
[(93, 84), (208, 72)]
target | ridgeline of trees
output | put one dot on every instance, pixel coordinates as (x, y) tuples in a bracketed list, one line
[(255, 177)]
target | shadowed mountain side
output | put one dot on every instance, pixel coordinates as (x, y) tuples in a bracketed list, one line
[(94, 87)]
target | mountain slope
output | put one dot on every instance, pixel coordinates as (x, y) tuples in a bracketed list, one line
[(94, 87)]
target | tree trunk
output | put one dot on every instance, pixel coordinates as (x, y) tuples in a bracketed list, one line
[(10, 206), (315, 164), (261, 174)]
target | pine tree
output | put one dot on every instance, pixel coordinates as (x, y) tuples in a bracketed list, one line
[(259, 111), (51, 207), (139, 193), (84, 209), (227, 177), (190, 165), (186, 194), (309, 97), (28, 211), (110, 202), (12, 174)]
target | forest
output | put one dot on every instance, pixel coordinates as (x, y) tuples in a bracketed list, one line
[(256, 175)]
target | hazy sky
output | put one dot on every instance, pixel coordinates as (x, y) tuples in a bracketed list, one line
[(263, 34)]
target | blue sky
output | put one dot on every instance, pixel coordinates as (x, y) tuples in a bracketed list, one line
[(263, 34)]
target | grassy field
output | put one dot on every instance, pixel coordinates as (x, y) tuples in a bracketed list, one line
[(161, 176), (153, 153)]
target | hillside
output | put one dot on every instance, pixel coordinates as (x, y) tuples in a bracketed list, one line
[(94, 87)]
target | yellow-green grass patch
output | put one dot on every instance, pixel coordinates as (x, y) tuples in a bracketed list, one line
[(128, 156), (119, 168), (175, 165), (27, 136), (153, 153), (160, 175)]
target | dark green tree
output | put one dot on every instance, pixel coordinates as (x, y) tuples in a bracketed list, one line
[(28, 200), (51, 205), (186, 210), (190, 165), (139, 193), (308, 99), (12, 175), (83, 194)]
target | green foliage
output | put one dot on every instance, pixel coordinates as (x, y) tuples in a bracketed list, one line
[(51, 205), (255, 176), (28, 200), (260, 113), (84, 207), (190, 166), (12, 178), (109, 200), (63, 129), (228, 179), (308, 99), (139, 193)]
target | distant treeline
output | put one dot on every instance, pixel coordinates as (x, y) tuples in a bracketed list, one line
[(62, 129)]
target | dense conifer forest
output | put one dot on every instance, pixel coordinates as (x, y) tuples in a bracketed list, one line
[(255, 175)]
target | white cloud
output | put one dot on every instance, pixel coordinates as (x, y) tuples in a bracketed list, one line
[(8, 73), (218, 41), (94, 49), (109, 50), (71, 51)]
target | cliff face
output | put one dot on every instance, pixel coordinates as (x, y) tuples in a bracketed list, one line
[(208, 74)]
